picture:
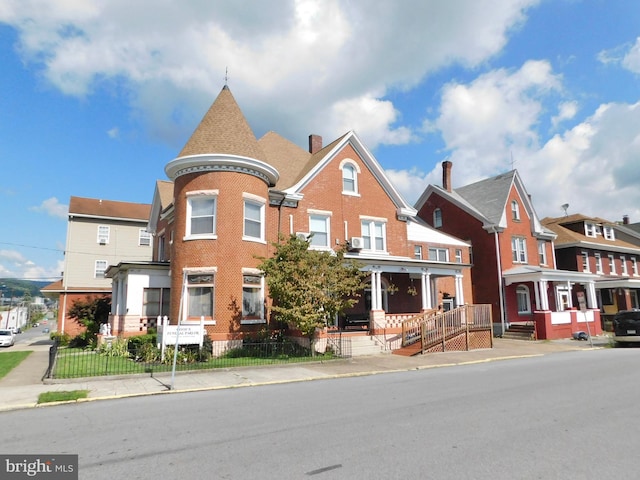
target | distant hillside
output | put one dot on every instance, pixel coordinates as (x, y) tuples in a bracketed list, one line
[(21, 287)]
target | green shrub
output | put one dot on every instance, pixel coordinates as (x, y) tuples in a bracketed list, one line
[(117, 348), (62, 339)]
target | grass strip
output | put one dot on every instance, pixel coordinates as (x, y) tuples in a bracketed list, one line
[(62, 396), (10, 360)]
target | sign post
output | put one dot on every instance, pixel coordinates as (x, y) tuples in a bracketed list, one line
[(582, 302)]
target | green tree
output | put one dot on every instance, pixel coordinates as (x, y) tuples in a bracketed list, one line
[(309, 287), (91, 313)]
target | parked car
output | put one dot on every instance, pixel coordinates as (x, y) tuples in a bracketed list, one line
[(7, 337), (45, 330), (626, 326)]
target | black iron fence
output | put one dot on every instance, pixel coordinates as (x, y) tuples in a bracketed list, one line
[(121, 358)]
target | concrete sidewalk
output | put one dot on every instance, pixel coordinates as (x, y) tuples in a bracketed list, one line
[(22, 386)]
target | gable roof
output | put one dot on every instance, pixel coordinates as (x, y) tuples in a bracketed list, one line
[(323, 157), (93, 207), (223, 130), (487, 200), (569, 238)]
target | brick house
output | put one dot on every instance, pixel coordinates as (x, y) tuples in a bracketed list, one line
[(230, 195), (514, 266), (100, 233), (603, 248)]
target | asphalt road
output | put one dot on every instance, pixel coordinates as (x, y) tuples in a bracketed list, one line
[(563, 416)]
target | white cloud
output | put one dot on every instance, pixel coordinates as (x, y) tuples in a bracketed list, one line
[(113, 132), (631, 60), (295, 57), (53, 208), (566, 111), (493, 120)]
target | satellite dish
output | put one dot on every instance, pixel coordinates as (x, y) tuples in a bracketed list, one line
[(565, 206)]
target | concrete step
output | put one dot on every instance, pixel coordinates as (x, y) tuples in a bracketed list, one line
[(365, 345)]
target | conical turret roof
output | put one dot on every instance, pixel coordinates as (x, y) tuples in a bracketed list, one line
[(224, 130)]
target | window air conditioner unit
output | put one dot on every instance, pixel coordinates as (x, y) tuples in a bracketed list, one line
[(103, 241), (356, 243), (302, 236)]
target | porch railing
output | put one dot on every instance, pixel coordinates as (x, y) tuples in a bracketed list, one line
[(432, 328)]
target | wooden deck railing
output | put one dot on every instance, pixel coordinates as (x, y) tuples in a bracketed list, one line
[(432, 327)]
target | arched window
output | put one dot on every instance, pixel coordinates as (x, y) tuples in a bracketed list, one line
[(437, 218), (350, 171), (515, 210), (524, 299)]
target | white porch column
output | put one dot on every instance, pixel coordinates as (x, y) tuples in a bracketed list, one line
[(376, 290), (544, 298), (536, 291), (570, 290), (425, 286), (122, 305), (591, 295), (459, 291)]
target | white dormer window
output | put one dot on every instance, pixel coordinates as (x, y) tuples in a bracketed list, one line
[(590, 229), (350, 171), (515, 210), (437, 218), (608, 233)]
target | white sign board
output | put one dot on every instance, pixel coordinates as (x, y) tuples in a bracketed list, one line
[(189, 334)]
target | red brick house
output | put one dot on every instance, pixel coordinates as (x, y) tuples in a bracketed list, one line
[(230, 195), (603, 248), (514, 266)]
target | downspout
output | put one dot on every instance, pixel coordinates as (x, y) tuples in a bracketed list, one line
[(500, 283)]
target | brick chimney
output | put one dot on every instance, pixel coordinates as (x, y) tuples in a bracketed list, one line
[(446, 175), (315, 143), (625, 219)]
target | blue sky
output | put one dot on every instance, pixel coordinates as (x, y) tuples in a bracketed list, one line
[(97, 97)]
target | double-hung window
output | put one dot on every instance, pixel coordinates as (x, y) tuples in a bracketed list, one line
[(608, 233), (144, 238), (100, 268), (349, 179), (252, 297), (437, 218), (155, 302), (542, 252), (515, 210), (319, 228), (634, 266), (253, 219), (417, 252), (612, 265), (103, 234), (585, 261), (200, 294), (201, 215), (519, 249), (524, 299), (598, 258), (374, 235), (623, 265), (438, 254)]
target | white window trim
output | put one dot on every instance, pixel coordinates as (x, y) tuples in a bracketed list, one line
[(437, 218), (327, 219), (185, 303), (515, 210), (417, 252), (608, 233), (141, 236), (261, 202), (542, 252), (612, 264), (356, 174), (438, 250), (95, 268), (262, 319), (520, 250), (590, 229), (106, 237), (598, 258), (207, 194), (525, 290), (634, 266), (372, 223), (584, 255), (458, 255)]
